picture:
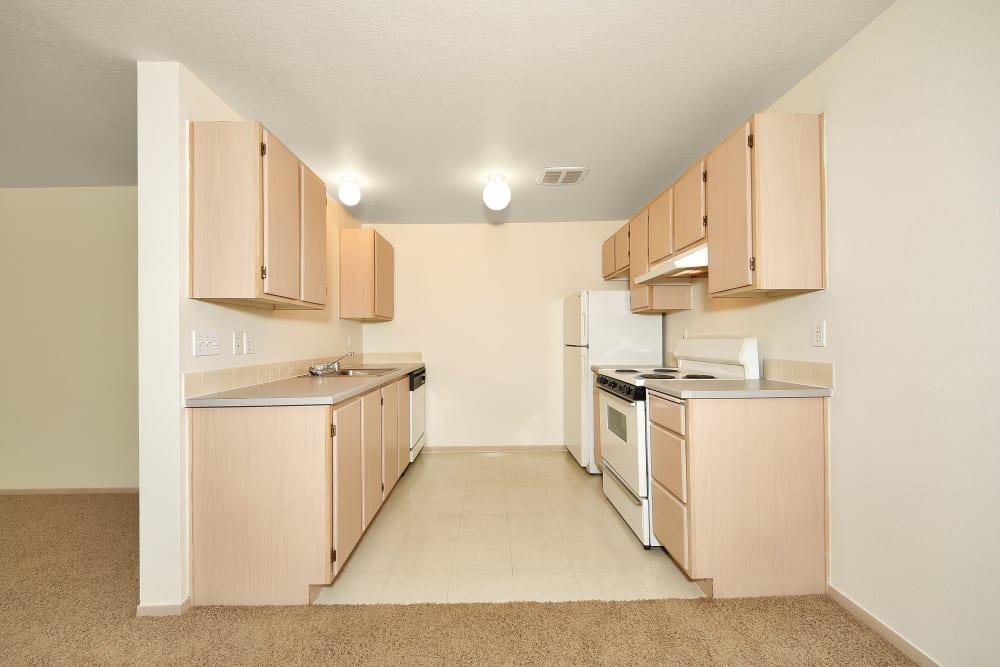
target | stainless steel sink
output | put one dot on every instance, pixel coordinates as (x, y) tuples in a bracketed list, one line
[(362, 371)]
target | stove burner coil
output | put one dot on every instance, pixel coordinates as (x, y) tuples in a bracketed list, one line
[(696, 376), (657, 376)]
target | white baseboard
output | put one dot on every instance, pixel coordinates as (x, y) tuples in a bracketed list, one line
[(493, 449), (887, 633), (163, 609)]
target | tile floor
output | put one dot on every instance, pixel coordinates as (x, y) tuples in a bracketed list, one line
[(497, 528)]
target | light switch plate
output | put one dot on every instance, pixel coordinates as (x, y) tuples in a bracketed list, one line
[(248, 343), (205, 343)]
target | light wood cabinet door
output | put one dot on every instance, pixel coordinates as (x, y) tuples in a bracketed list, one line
[(661, 222), (727, 203), (313, 197), (384, 278), (608, 257), (787, 197), (371, 454), (225, 210), (621, 249), (390, 437), (244, 547), (366, 275), (347, 499), (670, 525), (689, 207), (638, 227), (403, 394), (282, 222)]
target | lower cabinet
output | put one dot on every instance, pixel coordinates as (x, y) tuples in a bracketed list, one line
[(280, 496), (403, 457), (348, 518), (390, 437), (247, 547), (738, 493), (371, 435)]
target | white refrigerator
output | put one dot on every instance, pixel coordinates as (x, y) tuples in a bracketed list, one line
[(599, 328)]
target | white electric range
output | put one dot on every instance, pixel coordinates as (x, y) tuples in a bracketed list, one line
[(624, 429)]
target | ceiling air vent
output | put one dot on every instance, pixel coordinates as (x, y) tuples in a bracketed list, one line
[(561, 175)]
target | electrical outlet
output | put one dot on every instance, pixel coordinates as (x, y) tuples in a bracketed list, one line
[(818, 333), (237, 342), (205, 343), (349, 346), (248, 343)]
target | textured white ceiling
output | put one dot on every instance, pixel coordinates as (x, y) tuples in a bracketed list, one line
[(422, 99)]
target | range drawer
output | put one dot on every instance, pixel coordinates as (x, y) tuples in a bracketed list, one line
[(670, 525), (668, 454), (667, 414)]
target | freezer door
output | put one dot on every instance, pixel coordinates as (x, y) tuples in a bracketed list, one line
[(575, 319), (577, 402)]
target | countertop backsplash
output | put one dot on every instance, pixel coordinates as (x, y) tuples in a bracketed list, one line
[(199, 383), (815, 373)]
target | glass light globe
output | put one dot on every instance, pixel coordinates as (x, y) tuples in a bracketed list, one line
[(496, 194), (349, 194)]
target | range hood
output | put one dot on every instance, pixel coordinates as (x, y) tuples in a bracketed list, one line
[(689, 263)]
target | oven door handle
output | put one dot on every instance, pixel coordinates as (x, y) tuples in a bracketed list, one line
[(636, 500)]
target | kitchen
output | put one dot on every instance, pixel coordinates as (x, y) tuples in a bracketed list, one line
[(889, 315)]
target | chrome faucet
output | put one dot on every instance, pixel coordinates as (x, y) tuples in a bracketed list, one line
[(335, 364), (330, 366)]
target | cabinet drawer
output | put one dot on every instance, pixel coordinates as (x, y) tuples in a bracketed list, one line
[(667, 414), (669, 460), (670, 525)]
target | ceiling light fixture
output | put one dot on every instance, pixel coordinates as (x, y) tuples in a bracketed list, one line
[(349, 193), (496, 194)]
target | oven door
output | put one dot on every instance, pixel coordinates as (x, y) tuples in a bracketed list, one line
[(623, 444)]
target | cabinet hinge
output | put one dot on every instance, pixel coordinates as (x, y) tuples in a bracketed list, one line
[(753, 263), (381, 401), (263, 272), (263, 149), (704, 221), (704, 176), (749, 141), (333, 429), (383, 486), (333, 555)]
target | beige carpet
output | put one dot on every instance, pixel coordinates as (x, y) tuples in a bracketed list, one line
[(69, 588)]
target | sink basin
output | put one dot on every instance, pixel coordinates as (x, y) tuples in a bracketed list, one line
[(362, 371)]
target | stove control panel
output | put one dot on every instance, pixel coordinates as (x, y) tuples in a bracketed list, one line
[(629, 392)]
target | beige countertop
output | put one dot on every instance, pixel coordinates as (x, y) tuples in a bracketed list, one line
[(303, 390), (735, 389)]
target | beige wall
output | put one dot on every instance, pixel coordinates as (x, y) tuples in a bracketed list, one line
[(483, 303), (914, 323), (168, 97), (68, 341)]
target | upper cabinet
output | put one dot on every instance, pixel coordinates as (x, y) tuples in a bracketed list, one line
[(615, 254), (650, 298), (258, 220), (661, 227), (764, 203), (366, 275), (689, 207)]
